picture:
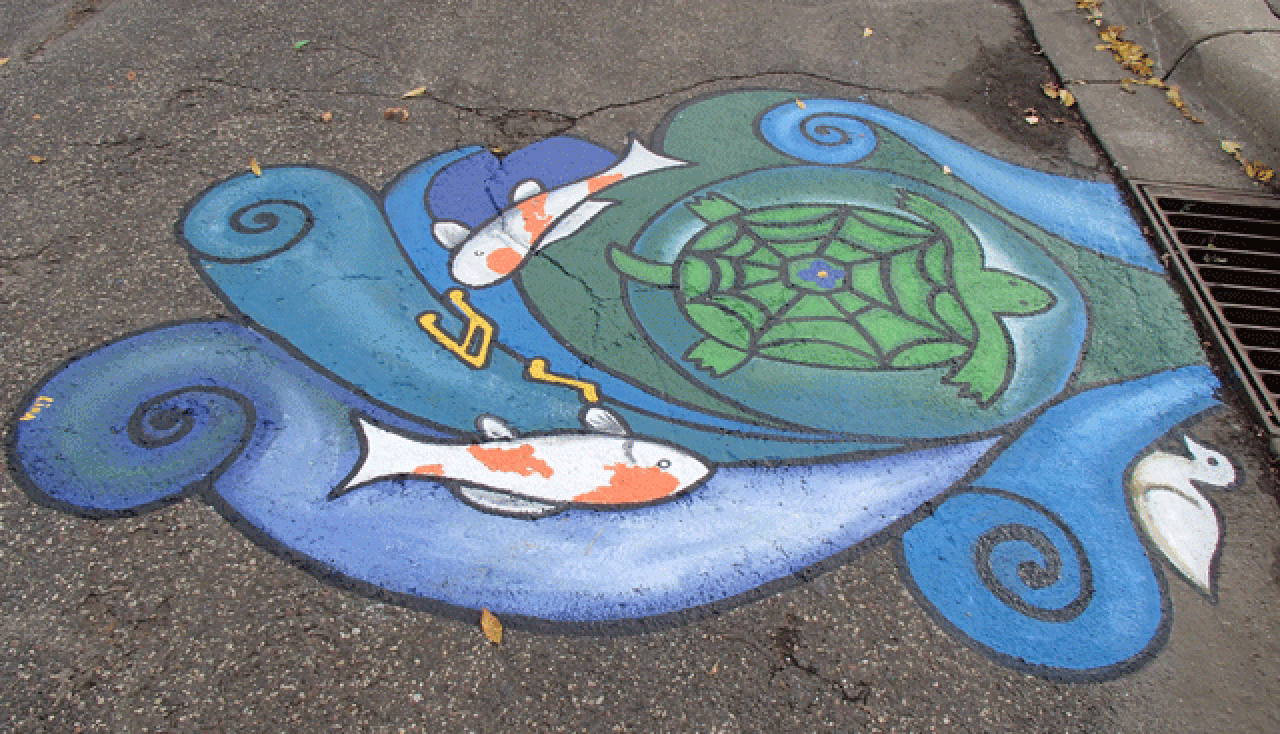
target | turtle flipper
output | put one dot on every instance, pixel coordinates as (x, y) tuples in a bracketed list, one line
[(639, 269), (986, 373), (716, 357)]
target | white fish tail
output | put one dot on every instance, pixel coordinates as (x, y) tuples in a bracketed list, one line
[(387, 454), (640, 160)]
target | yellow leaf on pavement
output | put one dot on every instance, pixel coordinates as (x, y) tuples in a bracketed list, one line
[(4, 61), (866, 32), (1067, 98), (37, 159), (1231, 146), (253, 166), (415, 92), (799, 104), (491, 626)]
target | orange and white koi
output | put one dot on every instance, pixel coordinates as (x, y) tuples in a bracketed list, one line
[(536, 475), (491, 253)]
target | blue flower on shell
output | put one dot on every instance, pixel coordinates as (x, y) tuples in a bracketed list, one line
[(822, 274)]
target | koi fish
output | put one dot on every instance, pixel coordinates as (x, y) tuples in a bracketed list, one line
[(487, 255), (537, 475)]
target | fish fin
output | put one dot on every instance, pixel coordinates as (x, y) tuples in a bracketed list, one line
[(450, 234), (500, 503), (603, 420), (526, 189), (495, 428), (575, 220)]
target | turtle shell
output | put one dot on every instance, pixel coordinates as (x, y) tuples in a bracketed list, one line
[(846, 287)]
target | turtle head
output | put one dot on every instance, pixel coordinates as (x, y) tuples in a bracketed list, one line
[(1013, 295)]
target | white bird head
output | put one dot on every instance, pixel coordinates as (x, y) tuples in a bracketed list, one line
[(1209, 466)]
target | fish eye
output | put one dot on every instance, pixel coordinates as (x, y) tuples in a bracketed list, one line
[(664, 463)]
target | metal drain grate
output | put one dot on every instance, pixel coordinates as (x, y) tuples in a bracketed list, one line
[(1226, 247)]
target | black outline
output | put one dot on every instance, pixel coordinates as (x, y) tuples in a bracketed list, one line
[(272, 220), (1032, 574)]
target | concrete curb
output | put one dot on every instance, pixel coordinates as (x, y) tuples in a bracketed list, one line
[(1227, 51), (1224, 57), (1242, 72)]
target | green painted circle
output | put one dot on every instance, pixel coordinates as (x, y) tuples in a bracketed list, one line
[(901, 342)]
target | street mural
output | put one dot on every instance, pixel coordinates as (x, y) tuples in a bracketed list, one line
[(592, 389)]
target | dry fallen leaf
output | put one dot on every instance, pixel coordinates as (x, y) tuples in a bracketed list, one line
[(491, 626), (1175, 99), (326, 117), (4, 60), (131, 76), (1031, 116), (866, 32), (1053, 91), (415, 92), (253, 166), (399, 114), (1260, 172), (37, 159), (1256, 170), (799, 103), (946, 170)]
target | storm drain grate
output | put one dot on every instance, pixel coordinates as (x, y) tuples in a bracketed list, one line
[(1226, 247)]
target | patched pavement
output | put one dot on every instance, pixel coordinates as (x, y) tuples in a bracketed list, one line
[(850, 396)]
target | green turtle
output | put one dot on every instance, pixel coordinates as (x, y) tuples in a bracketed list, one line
[(844, 287)]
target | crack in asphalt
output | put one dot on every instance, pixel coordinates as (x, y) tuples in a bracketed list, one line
[(80, 11), (1196, 44), (785, 639), (562, 122)]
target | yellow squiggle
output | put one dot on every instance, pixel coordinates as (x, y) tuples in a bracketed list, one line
[(37, 405), (476, 322), (537, 370)]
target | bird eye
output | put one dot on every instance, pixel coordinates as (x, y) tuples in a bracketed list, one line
[(664, 463)]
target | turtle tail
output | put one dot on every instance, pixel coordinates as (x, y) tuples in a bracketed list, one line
[(639, 269), (713, 208)]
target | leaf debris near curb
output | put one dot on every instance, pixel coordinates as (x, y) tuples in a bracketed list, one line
[(415, 92), (1134, 58), (1053, 91), (491, 625), (1256, 170), (253, 166)]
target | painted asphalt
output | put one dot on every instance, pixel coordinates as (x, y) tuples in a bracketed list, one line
[(855, 400)]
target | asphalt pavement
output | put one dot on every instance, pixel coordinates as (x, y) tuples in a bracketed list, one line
[(212, 604)]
